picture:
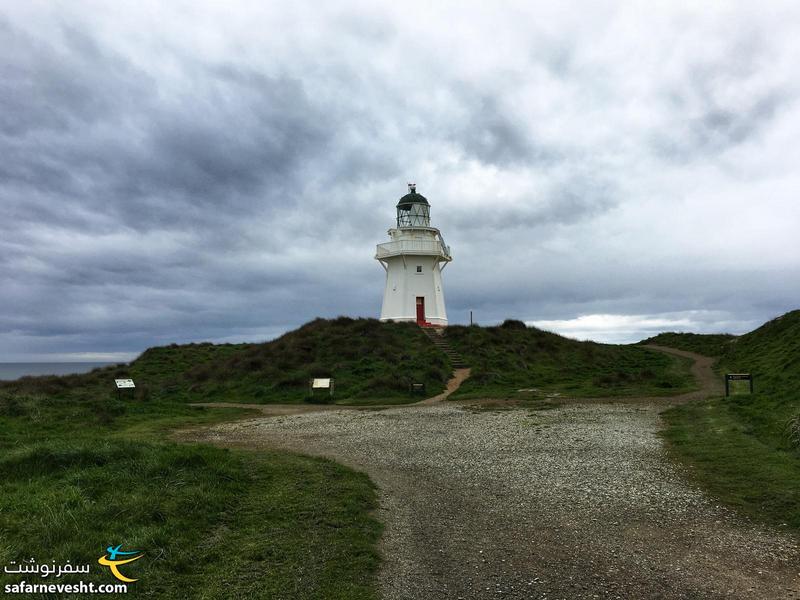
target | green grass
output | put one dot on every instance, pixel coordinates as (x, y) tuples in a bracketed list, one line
[(714, 344), (742, 448), (213, 523), (511, 357), (369, 360), (371, 363)]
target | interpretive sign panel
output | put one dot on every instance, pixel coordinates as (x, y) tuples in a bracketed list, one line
[(731, 382), (321, 383)]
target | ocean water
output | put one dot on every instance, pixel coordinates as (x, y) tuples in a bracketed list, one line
[(11, 371)]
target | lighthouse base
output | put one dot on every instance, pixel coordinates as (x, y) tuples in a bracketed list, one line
[(431, 322)]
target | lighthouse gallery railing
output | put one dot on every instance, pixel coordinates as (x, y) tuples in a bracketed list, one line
[(426, 247)]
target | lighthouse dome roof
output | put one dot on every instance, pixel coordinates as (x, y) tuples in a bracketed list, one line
[(412, 198)]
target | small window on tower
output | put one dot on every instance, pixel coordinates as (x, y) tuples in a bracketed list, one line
[(419, 268)]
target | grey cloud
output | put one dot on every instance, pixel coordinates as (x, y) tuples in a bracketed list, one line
[(716, 105), (493, 137), (563, 201), (486, 130), (235, 194)]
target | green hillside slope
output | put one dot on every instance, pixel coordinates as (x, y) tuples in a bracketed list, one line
[(369, 360), (741, 447), (714, 344), (511, 357)]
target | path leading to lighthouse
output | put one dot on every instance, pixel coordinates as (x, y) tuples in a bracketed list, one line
[(459, 376), (575, 502)]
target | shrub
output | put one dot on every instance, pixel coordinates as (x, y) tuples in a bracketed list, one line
[(513, 324), (199, 373), (379, 383), (255, 364)]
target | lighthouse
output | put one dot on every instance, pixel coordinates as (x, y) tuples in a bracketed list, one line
[(414, 258)]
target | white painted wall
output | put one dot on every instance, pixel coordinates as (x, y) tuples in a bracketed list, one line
[(413, 247)]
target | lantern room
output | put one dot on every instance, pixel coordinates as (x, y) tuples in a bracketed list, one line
[(413, 209)]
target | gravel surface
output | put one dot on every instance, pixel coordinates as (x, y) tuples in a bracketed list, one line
[(575, 502)]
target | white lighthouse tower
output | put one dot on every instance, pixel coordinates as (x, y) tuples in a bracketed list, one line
[(414, 259)]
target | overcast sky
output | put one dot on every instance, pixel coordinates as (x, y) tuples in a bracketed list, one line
[(222, 171)]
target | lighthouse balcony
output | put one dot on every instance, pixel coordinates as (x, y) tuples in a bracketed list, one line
[(413, 247)]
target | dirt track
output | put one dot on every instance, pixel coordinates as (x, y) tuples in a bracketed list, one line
[(575, 502)]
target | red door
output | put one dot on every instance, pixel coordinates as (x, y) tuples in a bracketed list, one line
[(420, 310)]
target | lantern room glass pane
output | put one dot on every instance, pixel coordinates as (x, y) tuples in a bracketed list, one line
[(413, 215)]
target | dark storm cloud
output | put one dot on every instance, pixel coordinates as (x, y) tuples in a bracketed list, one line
[(88, 133), (174, 177), (114, 188)]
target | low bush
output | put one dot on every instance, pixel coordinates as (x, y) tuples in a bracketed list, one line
[(513, 324)]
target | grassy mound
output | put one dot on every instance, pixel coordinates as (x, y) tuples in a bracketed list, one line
[(715, 344), (510, 357), (369, 360), (744, 448)]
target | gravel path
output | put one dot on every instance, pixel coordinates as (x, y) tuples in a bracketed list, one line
[(574, 502)]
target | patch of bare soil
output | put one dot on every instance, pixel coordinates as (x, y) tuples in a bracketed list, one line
[(579, 501)]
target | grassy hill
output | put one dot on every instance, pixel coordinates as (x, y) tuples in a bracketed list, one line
[(742, 447), (82, 467), (511, 357), (715, 344), (369, 360)]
